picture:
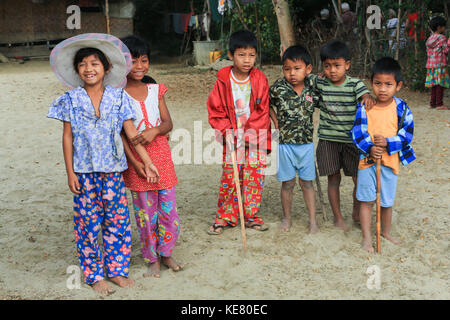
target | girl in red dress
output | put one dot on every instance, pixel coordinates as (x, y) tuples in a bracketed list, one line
[(154, 203)]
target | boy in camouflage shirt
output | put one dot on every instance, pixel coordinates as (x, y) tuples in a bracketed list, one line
[(292, 100)]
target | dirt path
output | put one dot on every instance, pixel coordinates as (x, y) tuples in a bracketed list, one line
[(36, 233)]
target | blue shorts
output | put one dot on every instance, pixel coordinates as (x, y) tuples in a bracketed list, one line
[(366, 187), (296, 158)]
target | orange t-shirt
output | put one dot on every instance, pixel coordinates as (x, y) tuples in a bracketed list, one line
[(383, 121)]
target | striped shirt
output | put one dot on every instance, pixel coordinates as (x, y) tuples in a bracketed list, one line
[(338, 107)]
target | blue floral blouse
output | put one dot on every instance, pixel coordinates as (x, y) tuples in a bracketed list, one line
[(97, 146)]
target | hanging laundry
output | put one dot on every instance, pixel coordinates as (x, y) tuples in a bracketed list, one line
[(221, 8), (185, 18), (214, 4)]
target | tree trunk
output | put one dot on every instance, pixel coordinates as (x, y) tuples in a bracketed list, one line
[(399, 22), (285, 26)]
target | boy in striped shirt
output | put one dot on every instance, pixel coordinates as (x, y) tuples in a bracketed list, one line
[(340, 94)]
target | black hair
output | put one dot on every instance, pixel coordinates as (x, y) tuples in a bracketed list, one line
[(148, 79), (387, 65), (295, 53), (86, 52), (242, 39), (137, 46), (436, 22), (334, 49)]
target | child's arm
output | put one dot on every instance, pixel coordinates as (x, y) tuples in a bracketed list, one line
[(137, 165), (272, 104), (151, 171), (217, 115), (148, 135), (359, 133), (273, 117), (74, 184)]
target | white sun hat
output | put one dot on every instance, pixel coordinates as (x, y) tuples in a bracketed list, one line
[(117, 53)]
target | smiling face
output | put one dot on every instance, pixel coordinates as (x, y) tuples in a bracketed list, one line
[(296, 71), (91, 70), (335, 69), (139, 68), (385, 87), (243, 61)]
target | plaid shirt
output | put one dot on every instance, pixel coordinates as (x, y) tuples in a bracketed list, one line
[(399, 143), (437, 50)]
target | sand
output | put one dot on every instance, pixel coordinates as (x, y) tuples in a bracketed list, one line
[(37, 243)]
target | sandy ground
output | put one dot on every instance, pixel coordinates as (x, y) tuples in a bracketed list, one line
[(36, 233)]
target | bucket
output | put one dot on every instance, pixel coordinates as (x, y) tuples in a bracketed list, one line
[(214, 55), (202, 49)]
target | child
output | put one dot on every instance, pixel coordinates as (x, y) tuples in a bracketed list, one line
[(335, 150), (437, 78), (385, 131), (238, 105), (293, 99), (154, 203), (93, 115)]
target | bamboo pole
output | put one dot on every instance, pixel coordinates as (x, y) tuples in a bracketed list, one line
[(379, 205), (399, 22), (239, 194), (108, 28)]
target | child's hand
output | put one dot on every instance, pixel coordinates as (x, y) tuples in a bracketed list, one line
[(140, 169), (74, 184), (229, 139), (376, 152), (145, 137), (379, 140), (368, 101), (151, 173)]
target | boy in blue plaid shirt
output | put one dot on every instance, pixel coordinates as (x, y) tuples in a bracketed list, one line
[(385, 131)]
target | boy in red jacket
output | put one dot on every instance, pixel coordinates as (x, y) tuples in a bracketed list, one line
[(238, 109)]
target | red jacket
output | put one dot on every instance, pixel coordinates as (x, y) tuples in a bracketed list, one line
[(221, 114)]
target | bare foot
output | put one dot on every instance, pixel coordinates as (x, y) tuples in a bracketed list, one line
[(341, 225), (102, 287), (122, 282), (170, 262), (391, 238), (313, 228), (286, 224), (153, 270), (367, 245)]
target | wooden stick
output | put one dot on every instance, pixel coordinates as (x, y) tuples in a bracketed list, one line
[(108, 28), (238, 191), (319, 191), (378, 205)]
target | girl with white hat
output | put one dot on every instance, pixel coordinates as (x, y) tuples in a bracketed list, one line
[(94, 113)]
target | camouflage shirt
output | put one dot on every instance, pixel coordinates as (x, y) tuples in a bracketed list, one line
[(294, 112)]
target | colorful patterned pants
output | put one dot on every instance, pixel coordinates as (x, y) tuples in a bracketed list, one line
[(103, 205), (157, 221), (251, 177)]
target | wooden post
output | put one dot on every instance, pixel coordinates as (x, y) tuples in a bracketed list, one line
[(258, 35), (398, 29), (285, 26), (108, 29), (208, 20)]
